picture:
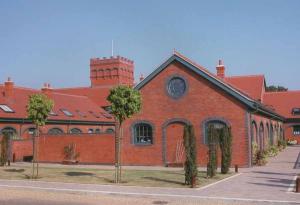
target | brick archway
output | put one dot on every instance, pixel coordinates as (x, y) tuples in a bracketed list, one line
[(165, 126)]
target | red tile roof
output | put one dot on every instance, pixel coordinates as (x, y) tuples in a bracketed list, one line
[(97, 94), (80, 106), (253, 85), (283, 102)]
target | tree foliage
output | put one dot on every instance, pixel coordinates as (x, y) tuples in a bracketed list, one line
[(4, 149), (190, 165), (225, 142), (212, 136), (273, 88), (38, 109), (125, 102)]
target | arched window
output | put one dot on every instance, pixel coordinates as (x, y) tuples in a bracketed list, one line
[(143, 134), (254, 132), (55, 131), (261, 136), (31, 130), (110, 130), (75, 131), (267, 133), (90, 131), (12, 132), (217, 124), (97, 131), (271, 135)]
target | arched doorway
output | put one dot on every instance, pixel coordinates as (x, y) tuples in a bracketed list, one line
[(173, 149)]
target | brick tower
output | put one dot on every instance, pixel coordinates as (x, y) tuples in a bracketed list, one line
[(108, 72)]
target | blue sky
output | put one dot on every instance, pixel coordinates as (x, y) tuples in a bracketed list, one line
[(52, 41)]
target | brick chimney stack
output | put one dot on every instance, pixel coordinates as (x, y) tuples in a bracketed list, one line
[(142, 77), (8, 87), (46, 89), (220, 69)]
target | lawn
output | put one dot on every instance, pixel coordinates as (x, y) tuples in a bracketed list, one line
[(152, 178)]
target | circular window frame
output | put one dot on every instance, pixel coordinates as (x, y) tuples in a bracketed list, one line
[(167, 86)]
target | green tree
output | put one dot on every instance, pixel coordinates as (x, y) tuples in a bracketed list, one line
[(225, 142), (212, 136), (190, 165), (4, 149), (273, 88), (38, 109), (125, 102)]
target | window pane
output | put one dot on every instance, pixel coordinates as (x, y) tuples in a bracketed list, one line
[(143, 134)]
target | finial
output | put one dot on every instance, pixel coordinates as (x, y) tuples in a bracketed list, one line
[(220, 62), (8, 79)]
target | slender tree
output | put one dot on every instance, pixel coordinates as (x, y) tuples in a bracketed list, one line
[(38, 109), (212, 136), (225, 141), (190, 165), (4, 149), (125, 102)]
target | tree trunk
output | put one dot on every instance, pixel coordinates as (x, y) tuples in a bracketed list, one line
[(37, 151), (120, 153), (117, 142)]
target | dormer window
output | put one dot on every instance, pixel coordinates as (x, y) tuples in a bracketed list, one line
[(52, 113), (5, 108), (296, 111), (67, 112)]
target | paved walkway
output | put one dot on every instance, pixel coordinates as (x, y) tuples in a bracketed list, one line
[(270, 183)]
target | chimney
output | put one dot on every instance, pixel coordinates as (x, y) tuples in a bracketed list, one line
[(46, 89), (8, 87), (142, 77), (220, 69)]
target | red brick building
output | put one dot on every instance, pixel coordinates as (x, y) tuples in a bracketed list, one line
[(176, 93)]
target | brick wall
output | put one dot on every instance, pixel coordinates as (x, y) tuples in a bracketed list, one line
[(201, 102), (93, 148)]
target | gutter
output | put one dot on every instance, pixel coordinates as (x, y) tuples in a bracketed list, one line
[(62, 122)]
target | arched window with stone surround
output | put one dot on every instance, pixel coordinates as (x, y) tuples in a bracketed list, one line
[(55, 131), (142, 134), (217, 124), (12, 132), (261, 136), (75, 131)]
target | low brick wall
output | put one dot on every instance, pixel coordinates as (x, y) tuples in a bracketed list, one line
[(93, 148)]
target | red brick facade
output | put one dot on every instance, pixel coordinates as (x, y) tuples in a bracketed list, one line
[(239, 102)]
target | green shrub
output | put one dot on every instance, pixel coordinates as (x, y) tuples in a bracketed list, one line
[(225, 141), (254, 152), (4, 149), (282, 144), (261, 157), (212, 151), (190, 165), (272, 151)]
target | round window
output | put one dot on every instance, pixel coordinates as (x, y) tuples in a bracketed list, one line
[(176, 87)]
